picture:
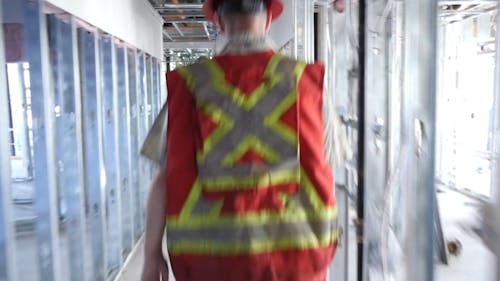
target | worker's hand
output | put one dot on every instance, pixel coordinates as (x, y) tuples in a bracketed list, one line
[(155, 269)]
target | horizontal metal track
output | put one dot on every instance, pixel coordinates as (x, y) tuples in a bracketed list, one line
[(189, 45), (179, 7)]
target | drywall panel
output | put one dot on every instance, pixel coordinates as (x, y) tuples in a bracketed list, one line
[(133, 21)]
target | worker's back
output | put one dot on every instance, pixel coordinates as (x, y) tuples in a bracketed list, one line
[(249, 192)]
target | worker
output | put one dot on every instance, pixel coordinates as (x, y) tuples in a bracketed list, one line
[(246, 192)]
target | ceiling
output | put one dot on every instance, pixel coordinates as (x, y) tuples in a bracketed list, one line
[(184, 21), (454, 11), (186, 32)]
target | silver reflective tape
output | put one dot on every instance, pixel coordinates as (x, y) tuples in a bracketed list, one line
[(251, 122), (246, 234)]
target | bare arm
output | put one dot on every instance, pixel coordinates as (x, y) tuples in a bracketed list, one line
[(154, 262)]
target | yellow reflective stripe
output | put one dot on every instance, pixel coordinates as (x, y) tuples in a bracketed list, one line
[(312, 194), (254, 246), (246, 102), (285, 199), (299, 70), (250, 182), (191, 201), (272, 120), (224, 125), (273, 65), (251, 142), (187, 76), (293, 215), (193, 197)]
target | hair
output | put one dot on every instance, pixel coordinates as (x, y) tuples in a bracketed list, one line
[(238, 19), (244, 7), (243, 15)]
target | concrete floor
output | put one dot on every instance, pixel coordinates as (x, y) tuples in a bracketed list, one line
[(459, 216), (133, 266)]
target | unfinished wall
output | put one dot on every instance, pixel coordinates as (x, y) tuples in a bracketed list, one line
[(133, 21)]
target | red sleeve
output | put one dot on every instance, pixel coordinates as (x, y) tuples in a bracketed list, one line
[(311, 132), (181, 151)]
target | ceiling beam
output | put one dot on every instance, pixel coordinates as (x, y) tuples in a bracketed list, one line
[(179, 7), (465, 2), (189, 45)]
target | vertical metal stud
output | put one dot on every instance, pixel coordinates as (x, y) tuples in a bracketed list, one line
[(65, 69), (163, 81), (304, 30), (155, 87), (7, 241), (111, 168), (123, 113), (116, 150), (495, 175), (142, 131), (78, 196), (375, 146), (149, 87), (159, 78), (48, 236), (421, 30), (338, 65), (150, 113), (359, 110), (92, 147), (132, 78)]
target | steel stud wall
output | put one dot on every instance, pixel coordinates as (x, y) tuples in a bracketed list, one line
[(399, 144), (93, 100), (7, 253)]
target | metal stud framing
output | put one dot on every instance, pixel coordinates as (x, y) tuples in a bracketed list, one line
[(66, 75), (124, 148), (421, 35), (142, 100), (95, 204), (44, 144), (7, 241), (93, 100), (304, 30), (109, 140), (134, 141), (375, 144), (399, 130)]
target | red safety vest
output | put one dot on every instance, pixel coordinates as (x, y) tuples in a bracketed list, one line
[(249, 193)]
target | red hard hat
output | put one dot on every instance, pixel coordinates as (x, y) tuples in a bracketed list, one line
[(275, 7)]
